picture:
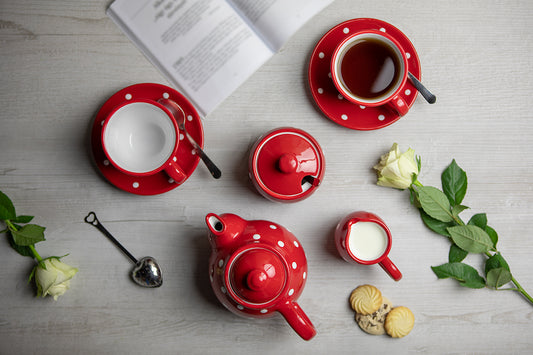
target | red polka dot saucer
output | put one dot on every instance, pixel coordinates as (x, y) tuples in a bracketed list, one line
[(160, 182), (331, 102)]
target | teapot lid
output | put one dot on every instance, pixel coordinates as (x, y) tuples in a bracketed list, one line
[(287, 164), (255, 276)]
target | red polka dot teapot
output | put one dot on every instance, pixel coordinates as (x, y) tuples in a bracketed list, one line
[(257, 268)]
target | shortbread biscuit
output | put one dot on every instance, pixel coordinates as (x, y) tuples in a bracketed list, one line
[(399, 322), (366, 299), (374, 323)]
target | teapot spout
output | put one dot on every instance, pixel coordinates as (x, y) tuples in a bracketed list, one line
[(224, 229)]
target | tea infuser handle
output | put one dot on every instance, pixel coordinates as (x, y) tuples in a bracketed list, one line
[(297, 319), (93, 220)]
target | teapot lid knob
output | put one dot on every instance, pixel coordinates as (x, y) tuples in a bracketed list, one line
[(256, 275), (256, 279)]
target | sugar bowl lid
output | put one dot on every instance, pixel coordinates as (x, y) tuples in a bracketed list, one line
[(287, 164)]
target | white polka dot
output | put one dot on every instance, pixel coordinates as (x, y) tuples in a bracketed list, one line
[(340, 97), (220, 263), (320, 90), (256, 237), (329, 75), (291, 292), (321, 55), (182, 137), (305, 275), (382, 29), (106, 162), (362, 107), (264, 310), (193, 152), (296, 244), (408, 55), (381, 117), (135, 185), (345, 30), (294, 265), (102, 123), (281, 244), (171, 181), (240, 307), (175, 158), (211, 278), (128, 97), (223, 289), (344, 117), (273, 227), (166, 95), (189, 118), (407, 92)]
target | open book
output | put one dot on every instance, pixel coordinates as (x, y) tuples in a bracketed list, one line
[(208, 48)]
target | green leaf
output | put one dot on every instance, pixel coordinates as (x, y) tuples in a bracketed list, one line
[(435, 203), (492, 234), (471, 238), (28, 235), (435, 225), (458, 209), (495, 262), (454, 183), (498, 277), (465, 274), (479, 220), (23, 219), (456, 254), (7, 210), (22, 250)]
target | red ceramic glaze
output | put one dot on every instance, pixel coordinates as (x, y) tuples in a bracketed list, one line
[(286, 165), (395, 99), (257, 268), (160, 182), (342, 235), (328, 98)]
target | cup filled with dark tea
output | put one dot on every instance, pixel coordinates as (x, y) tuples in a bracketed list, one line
[(369, 68)]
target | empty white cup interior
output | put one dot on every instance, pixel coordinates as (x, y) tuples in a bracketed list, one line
[(139, 137), (367, 240)]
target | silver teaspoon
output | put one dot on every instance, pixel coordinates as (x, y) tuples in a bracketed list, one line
[(422, 89), (179, 115), (146, 272)]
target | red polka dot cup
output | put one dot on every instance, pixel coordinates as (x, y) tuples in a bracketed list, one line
[(140, 138), (258, 268), (369, 68), (363, 238)]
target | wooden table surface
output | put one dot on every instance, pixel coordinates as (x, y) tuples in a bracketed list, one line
[(61, 60)]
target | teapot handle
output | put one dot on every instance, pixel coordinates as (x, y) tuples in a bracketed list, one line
[(297, 319)]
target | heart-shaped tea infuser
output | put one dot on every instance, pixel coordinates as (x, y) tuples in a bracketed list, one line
[(146, 272)]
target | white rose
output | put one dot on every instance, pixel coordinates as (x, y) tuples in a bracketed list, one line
[(396, 169), (55, 279)]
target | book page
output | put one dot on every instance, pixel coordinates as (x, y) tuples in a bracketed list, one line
[(202, 46), (277, 20)]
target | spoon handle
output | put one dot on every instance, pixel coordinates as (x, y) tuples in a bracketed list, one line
[(91, 219), (422, 89), (179, 115)]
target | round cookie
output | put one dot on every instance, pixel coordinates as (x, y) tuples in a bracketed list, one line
[(374, 323), (366, 299), (399, 322)]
